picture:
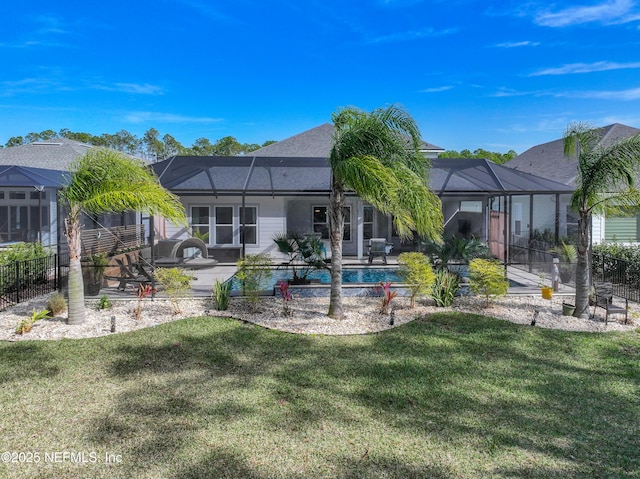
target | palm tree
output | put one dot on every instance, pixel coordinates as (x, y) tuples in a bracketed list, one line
[(106, 181), (376, 155), (604, 185)]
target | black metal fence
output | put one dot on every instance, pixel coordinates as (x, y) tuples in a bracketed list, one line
[(624, 275), (21, 281)]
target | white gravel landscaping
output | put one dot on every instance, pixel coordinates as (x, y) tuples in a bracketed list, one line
[(308, 316)]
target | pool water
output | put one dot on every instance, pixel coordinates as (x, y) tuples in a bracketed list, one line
[(349, 275), (370, 276)]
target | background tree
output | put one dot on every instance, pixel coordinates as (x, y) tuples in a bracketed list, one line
[(496, 157), (377, 155), (106, 181), (605, 184)]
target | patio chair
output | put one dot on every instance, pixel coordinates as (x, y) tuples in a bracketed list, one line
[(604, 300), (128, 275), (378, 247)]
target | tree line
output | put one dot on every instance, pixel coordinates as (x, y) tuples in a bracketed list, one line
[(156, 147), (151, 146), (499, 158)]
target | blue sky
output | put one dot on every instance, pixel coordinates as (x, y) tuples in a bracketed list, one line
[(500, 77)]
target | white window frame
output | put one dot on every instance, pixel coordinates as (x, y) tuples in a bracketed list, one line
[(197, 226), (347, 224), (248, 225), (216, 224)]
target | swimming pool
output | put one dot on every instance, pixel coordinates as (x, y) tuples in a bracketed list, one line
[(349, 276)]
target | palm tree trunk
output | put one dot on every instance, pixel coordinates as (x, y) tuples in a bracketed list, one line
[(336, 228), (76, 282), (583, 267)]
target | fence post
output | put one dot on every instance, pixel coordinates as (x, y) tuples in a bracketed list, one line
[(17, 282)]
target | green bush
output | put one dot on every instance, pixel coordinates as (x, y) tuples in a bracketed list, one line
[(416, 271), (445, 287), (104, 302), (487, 278), (254, 271), (26, 324), (32, 259), (455, 249), (221, 293), (176, 283)]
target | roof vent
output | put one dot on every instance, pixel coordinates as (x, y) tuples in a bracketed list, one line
[(43, 143)]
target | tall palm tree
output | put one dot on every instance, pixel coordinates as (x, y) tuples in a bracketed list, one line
[(376, 155), (605, 184), (106, 181)]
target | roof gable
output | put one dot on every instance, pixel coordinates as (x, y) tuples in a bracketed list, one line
[(548, 160), (314, 143)]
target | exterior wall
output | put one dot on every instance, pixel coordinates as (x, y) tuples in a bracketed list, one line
[(598, 229), (299, 219), (270, 217)]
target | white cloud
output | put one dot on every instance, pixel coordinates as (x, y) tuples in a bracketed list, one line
[(410, 35), (610, 12), (142, 89), (437, 89), (621, 95), (586, 68), (526, 43), (149, 116)]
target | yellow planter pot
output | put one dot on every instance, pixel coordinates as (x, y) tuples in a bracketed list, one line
[(547, 292)]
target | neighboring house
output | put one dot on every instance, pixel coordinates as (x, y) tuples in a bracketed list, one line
[(548, 160), (240, 203), (30, 177)]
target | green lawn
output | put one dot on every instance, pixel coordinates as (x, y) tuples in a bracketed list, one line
[(451, 396)]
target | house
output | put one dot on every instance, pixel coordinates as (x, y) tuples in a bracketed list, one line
[(30, 177), (548, 161), (239, 203)]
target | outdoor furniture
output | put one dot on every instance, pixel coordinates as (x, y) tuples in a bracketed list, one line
[(604, 300), (378, 248), (174, 257), (128, 275)]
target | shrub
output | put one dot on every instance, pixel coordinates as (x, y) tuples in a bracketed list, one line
[(176, 283), (33, 265), (254, 271), (456, 249), (445, 287), (387, 297), (57, 304), (487, 278), (416, 271), (286, 295), (26, 324), (104, 302), (143, 291), (221, 293)]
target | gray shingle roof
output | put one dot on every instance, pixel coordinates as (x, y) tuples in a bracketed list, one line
[(548, 160), (232, 175), (25, 176), (55, 154), (313, 143)]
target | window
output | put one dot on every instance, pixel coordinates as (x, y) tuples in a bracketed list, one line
[(200, 222), (35, 195), (347, 224), (367, 222), (17, 195), (224, 225), (321, 222), (248, 225)]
